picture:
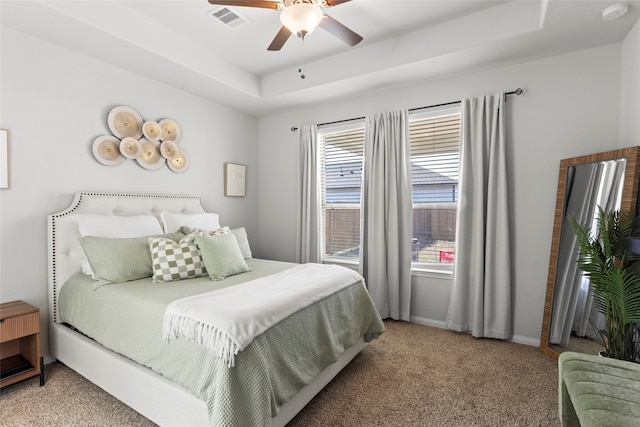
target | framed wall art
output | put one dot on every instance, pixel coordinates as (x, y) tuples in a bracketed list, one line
[(4, 159), (234, 180)]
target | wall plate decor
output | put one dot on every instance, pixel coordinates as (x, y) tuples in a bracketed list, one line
[(169, 149), (150, 143), (106, 148), (234, 180), (179, 163), (151, 130), (130, 147), (150, 158), (125, 121), (170, 130), (4, 159)]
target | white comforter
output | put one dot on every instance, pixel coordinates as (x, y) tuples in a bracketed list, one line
[(227, 320)]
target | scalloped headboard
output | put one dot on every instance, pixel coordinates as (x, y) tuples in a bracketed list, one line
[(63, 247)]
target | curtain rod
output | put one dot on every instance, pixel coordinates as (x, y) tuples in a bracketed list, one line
[(518, 91)]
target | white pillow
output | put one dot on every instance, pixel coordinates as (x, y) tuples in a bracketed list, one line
[(204, 221), (243, 241), (115, 226)]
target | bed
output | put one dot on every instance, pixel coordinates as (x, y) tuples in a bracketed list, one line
[(111, 332)]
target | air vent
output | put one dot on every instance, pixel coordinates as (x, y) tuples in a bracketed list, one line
[(228, 17)]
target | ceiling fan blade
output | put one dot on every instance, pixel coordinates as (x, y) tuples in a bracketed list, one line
[(266, 4), (340, 31), (280, 39), (336, 2)]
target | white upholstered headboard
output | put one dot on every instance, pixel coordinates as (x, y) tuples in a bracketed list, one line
[(63, 247)]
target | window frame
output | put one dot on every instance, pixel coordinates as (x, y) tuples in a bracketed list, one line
[(427, 268), (346, 126)]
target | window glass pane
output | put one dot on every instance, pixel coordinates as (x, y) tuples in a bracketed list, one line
[(341, 190), (434, 234), (435, 157)]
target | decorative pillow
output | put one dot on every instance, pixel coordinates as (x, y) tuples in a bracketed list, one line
[(204, 221), (221, 255), (173, 260), (192, 232), (120, 259), (243, 241), (240, 233), (114, 226)]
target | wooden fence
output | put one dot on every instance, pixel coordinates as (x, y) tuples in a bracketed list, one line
[(342, 228)]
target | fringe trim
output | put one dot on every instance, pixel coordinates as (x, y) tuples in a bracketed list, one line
[(217, 341)]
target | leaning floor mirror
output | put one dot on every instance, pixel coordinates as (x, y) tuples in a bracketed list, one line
[(608, 180)]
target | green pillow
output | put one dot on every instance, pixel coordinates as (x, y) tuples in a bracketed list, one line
[(240, 233), (221, 255), (120, 259)]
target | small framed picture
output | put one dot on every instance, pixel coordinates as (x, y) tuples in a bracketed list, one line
[(234, 180), (4, 159)]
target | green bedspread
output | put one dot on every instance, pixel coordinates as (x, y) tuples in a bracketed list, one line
[(127, 318)]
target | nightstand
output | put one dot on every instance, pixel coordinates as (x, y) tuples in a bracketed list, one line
[(19, 343)]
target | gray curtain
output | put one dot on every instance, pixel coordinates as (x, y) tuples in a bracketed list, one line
[(309, 219), (481, 292), (386, 214)]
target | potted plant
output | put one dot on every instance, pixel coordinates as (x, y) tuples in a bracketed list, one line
[(614, 272)]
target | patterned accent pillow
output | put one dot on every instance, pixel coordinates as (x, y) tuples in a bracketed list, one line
[(175, 260)]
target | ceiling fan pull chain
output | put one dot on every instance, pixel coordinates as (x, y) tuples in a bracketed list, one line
[(302, 76)]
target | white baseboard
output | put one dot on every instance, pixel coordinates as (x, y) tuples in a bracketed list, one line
[(518, 339), (428, 322)]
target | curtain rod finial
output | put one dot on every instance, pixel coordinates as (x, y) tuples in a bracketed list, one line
[(293, 128)]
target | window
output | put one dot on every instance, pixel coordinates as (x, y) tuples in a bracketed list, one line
[(434, 138), (342, 151)]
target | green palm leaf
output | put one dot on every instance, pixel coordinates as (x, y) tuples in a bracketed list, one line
[(614, 274)]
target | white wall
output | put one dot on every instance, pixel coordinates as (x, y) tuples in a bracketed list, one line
[(570, 108), (55, 103), (630, 88)]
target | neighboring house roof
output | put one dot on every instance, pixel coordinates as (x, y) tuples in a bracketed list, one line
[(349, 175), (343, 175)]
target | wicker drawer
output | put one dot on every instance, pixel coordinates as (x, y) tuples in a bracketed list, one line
[(19, 326)]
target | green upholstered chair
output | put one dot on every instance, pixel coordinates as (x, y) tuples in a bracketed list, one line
[(598, 391)]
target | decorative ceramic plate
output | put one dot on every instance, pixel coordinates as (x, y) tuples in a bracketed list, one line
[(180, 163), (152, 131), (106, 149), (170, 130), (125, 121), (150, 157), (130, 148), (169, 149)]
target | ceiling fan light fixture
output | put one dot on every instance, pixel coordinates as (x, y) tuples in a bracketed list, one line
[(301, 18)]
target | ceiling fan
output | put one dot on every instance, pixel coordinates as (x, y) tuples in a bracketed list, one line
[(300, 17)]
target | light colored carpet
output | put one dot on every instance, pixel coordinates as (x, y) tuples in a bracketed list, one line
[(412, 376)]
